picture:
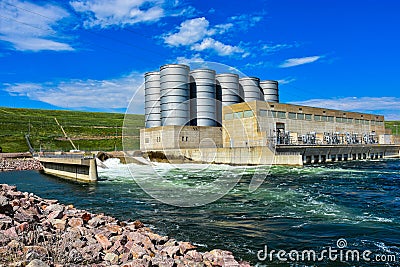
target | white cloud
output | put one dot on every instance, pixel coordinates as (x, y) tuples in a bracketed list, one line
[(190, 32), (292, 62), (105, 13), (286, 80), (273, 48), (246, 21), (26, 30), (196, 33), (220, 48), (187, 61), (388, 106), (100, 94)]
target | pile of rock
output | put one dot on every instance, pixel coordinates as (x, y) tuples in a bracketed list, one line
[(39, 231), (8, 164)]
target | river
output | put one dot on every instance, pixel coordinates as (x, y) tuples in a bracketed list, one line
[(296, 208)]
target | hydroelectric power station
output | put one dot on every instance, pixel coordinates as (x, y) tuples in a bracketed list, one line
[(207, 117)]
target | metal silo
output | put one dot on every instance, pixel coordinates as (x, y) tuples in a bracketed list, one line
[(271, 91), (174, 81), (204, 80), (251, 89), (229, 84), (152, 99)]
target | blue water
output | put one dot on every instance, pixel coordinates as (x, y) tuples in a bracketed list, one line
[(295, 208)]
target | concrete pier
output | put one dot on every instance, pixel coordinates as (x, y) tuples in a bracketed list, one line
[(295, 155), (70, 167)]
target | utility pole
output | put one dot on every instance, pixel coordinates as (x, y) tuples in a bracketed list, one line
[(115, 139)]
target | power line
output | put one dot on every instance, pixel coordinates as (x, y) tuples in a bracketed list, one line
[(90, 32), (92, 43)]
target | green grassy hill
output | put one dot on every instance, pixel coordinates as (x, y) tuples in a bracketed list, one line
[(89, 130), (393, 125)]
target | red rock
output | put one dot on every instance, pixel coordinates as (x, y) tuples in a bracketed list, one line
[(114, 229), (75, 222), (58, 224), (136, 263), (170, 251), (57, 214), (86, 217), (185, 246), (103, 241), (125, 257), (194, 256), (158, 239), (162, 261), (5, 222), (23, 227), (138, 224), (96, 221), (137, 251), (220, 258), (111, 257), (10, 233)]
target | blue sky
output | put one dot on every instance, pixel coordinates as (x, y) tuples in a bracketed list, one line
[(91, 54)]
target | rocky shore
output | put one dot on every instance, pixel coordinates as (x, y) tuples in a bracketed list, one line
[(24, 164), (41, 232)]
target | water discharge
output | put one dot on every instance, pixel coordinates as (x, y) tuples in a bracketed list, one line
[(295, 208)]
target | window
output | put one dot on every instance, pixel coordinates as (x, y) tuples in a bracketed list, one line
[(281, 114), (147, 140), (339, 119), (309, 117), (292, 116), (331, 118), (228, 116), (324, 118), (300, 116), (317, 117), (238, 115), (264, 113), (248, 113)]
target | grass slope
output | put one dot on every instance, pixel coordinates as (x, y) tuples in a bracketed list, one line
[(393, 125), (89, 130)]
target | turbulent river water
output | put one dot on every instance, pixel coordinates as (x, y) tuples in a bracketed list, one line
[(307, 208)]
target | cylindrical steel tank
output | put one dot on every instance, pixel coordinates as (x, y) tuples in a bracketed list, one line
[(251, 89), (152, 93), (271, 90), (229, 84), (204, 84), (174, 81)]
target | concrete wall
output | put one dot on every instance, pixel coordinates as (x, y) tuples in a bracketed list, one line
[(259, 129), (77, 169), (173, 137), (284, 155)]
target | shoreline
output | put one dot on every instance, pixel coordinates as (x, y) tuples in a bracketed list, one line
[(19, 164), (33, 229)]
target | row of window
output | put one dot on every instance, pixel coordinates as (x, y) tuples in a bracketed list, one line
[(298, 116), (67, 168), (239, 115)]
